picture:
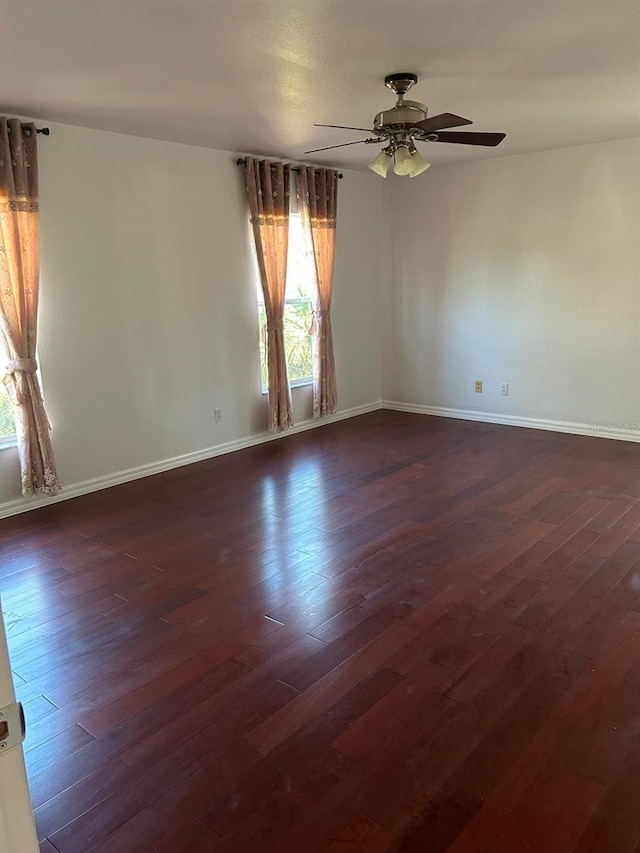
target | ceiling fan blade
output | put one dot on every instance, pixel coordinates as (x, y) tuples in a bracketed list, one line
[(468, 138), (344, 127), (342, 145), (428, 125)]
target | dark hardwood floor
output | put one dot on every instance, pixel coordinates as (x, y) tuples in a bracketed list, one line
[(395, 633)]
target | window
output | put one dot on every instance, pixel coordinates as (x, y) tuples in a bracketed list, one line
[(7, 424), (298, 310)]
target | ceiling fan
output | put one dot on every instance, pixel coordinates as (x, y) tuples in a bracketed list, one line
[(404, 125)]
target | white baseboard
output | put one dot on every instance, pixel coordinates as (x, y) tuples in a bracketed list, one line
[(14, 507), (85, 487), (615, 431)]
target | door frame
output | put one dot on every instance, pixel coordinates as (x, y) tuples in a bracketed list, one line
[(17, 826)]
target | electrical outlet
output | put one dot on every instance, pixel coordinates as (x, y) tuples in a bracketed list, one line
[(217, 413), (504, 389), (478, 386)]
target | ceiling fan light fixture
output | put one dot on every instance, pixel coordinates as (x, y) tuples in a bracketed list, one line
[(402, 164), (381, 164), (419, 164)]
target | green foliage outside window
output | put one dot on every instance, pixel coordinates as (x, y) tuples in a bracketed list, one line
[(7, 424), (297, 339)]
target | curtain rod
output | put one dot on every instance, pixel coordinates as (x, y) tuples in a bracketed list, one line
[(241, 161), (45, 131)]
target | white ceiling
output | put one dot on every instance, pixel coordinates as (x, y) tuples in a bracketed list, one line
[(254, 75)]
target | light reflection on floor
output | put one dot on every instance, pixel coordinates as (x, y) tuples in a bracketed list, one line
[(293, 511)]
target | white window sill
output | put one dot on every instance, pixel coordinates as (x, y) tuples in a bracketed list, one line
[(8, 441), (297, 383)]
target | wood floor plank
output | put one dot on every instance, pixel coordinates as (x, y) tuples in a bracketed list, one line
[(564, 808), (313, 701), (362, 834), (615, 824), (192, 836), (492, 564), (73, 801), (599, 747), (202, 668), (60, 743), (496, 822), (232, 712), (592, 692), (305, 674), (260, 803), (467, 783), (146, 827)]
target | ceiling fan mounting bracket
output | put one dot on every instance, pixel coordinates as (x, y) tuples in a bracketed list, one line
[(400, 83)]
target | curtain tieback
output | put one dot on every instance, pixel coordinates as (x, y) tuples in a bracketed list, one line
[(19, 365), (275, 325), (317, 316)]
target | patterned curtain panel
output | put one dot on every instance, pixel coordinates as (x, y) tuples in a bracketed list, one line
[(317, 200), (268, 189), (19, 284)]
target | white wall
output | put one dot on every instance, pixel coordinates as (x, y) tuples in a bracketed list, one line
[(523, 270), (148, 315)]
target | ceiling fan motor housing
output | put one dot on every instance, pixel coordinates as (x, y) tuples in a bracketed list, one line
[(401, 117)]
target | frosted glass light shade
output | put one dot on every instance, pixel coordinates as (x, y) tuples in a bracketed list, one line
[(381, 164), (402, 161), (419, 164)]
